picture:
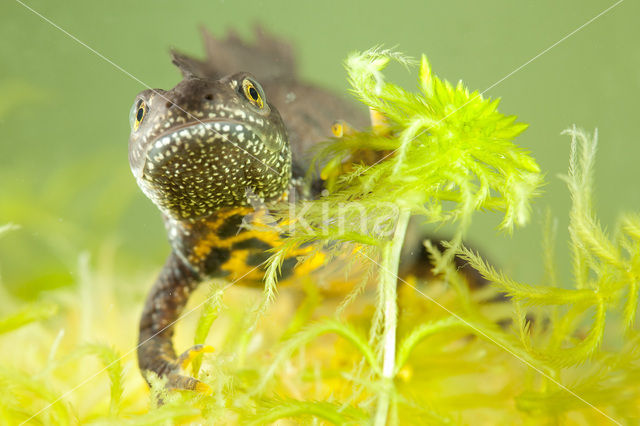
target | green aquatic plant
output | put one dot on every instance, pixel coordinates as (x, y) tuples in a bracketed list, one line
[(447, 145), (603, 296), (389, 349)]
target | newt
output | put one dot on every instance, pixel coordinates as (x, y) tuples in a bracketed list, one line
[(200, 152), (204, 152)]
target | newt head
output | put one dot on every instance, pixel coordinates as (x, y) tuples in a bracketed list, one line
[(202, 145)]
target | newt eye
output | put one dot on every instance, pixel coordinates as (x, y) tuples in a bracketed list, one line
[(253, 92), (138, 111)]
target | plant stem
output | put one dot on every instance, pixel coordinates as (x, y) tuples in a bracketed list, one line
[(388, 281)]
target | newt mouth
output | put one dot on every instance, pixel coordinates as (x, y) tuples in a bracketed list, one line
[(219, 126), (201, 133), (206, 142)]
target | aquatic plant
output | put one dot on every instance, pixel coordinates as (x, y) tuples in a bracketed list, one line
[(446, 144), (393, 350)]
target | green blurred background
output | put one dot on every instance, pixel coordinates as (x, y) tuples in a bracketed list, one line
[(64, 175)]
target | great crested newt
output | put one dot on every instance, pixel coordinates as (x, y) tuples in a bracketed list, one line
[(202, 152)]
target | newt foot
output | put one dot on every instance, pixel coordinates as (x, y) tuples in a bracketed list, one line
[(189, 355), (177, 379)]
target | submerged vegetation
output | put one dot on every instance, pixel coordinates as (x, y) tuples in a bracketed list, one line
[(422, 348)]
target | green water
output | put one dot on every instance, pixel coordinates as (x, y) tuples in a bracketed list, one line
[(64, 175)]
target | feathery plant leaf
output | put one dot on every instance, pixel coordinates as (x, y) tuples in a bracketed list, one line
[(312, 332), (448, 140), (422, 332), (167, 414), (33, 313), (110, 358), (604, 278), (26, 391), (208, 315), (288, 408)]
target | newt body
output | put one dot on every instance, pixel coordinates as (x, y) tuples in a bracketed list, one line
[(203, 152)]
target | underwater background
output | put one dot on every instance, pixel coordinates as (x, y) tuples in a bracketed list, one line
[(64, 175)]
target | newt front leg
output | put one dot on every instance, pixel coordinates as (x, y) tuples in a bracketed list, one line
[(164, 305)]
